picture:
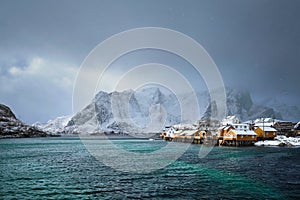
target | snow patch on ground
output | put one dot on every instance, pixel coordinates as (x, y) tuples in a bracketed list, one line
[(280, 140)]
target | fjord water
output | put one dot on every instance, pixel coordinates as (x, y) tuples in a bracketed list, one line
[(61, 168)]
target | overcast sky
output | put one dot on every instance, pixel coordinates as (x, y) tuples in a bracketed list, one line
[(254, 43)]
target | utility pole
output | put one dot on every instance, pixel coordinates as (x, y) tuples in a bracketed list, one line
[(264, 128)]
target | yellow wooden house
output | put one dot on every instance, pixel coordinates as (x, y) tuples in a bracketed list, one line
[(163, 134), (239, 137), (223, 130), (267, 133)]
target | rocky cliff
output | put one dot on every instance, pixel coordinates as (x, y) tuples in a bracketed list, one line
[(11, 127)]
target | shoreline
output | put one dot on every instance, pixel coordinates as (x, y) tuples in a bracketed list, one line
[(283, 143)]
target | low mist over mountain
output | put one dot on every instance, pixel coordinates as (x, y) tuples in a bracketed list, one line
[(240, 104), (149, 109), (287, 112)]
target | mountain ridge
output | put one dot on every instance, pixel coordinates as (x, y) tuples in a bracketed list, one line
[(132, 111), (11, 127)]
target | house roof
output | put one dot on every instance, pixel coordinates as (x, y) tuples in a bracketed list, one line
[(265, 124), (240, 124), (267, 128), (227, 127), (248, 122), (189, 132), (178, 132), (222, 127), (181, 133), (244, 132), (184, 126), (231, 117), (265, 120), (297, 126)]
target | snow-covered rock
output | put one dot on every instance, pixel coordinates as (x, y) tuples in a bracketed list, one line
[(280, 140), (269, 143), (10, 126)]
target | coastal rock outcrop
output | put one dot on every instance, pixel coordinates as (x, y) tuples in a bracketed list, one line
[(11, 127)]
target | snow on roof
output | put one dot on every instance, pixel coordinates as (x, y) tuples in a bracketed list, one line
[(267, 128), (248, 122), (227, 127), (178, 132), (231, 117), (266, 120), (184, 126), (189, 132), (244, 132), (297, 125), (182, 133), (239, 124), (265, 124)]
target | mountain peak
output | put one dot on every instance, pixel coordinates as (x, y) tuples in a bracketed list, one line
[(132, 111), (5, 111)]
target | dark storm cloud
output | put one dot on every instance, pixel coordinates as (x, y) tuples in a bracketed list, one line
[(255, 43)]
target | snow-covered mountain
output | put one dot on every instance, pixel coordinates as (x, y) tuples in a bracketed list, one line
[(56, 125), (288, 112), (149, 109), (240, 104), (146, 110)]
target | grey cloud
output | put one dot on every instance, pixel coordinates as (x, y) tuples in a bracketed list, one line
[(255, 43)]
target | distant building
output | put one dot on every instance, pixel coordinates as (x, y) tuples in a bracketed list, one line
[(267, 133), (264, 120), (185, 127), (241, 126), (190, 133), (230, 120), (168, 134), (208, 124), (170, 131), (223, 130), (284, 127)]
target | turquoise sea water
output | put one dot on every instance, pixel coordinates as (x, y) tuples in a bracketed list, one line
[(61, 168)]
